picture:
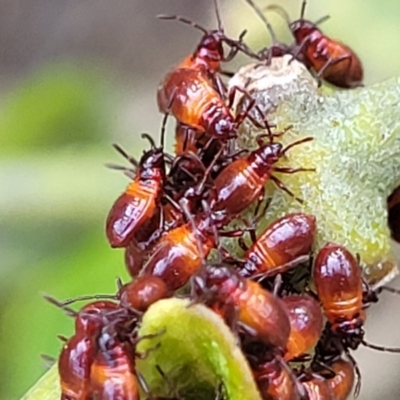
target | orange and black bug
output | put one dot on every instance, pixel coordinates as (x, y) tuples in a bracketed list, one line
[(209, 53), (318, 388), (188, 94), (259, 312), (306, 322), (194, 94), (243, 181), (187, 182), (343, 381), (283, 244), (274, 378), (112, 372), (334, 384), (341, 290), (344, 295), (179, 253), (140, 201), (339, 286), (332, 60), (78, 352)]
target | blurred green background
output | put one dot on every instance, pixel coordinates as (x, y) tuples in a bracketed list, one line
[(76, 76)]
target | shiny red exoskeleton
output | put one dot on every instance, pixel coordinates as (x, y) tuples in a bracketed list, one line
[(319, 389), (90, 318), (134, 257), (343, 381), (306, 322), (339, 285), (282, 245), (143, 292), (112, 373), (180, 252), (275, 380), (344, 296), (337, 387), (78, 352), (259, 310), (186, 139), (332, 60), (74, 367), (209, 53), (140, 201), (188, 94), (243, 181)]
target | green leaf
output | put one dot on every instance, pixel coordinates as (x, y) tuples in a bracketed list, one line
[(197, 352)]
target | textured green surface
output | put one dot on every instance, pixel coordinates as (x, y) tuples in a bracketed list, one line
[(355, 151), (197, 351)]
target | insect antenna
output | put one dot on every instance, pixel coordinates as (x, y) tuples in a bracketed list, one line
[(88, 297), (124, 154), (150, 139), (218, 15), (303, 9), (259, 12), (381, 348), (163, 129), (291, 145), (184, 20), (280, 10)]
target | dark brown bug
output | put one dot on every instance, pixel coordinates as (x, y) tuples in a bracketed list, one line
[(243, 181), (393, 206), (261, 313), (282, 245), (306, 322), (140, 201), (332, 60)]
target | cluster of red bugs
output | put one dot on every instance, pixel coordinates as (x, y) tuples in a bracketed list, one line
[(297, 315)]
